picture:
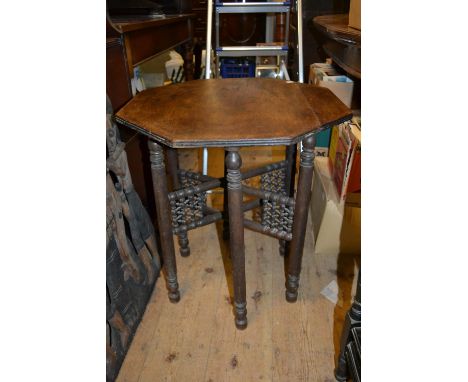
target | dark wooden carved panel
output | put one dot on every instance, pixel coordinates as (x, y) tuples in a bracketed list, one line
[(132, 255)]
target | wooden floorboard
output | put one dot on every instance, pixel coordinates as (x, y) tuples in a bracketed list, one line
[(196, 339)]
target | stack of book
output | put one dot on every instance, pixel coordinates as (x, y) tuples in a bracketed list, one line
[(345, 158)]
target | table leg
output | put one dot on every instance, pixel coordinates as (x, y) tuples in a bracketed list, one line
[(301, 211), (158, 172), (225, 203), (352, 318), (236, 234), (291, 153), (173, 167)]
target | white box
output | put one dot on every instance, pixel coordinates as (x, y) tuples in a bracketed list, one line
[(324, 75), (326, 209), (336, 226)]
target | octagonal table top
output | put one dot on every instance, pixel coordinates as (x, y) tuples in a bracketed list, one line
[(232, 112)]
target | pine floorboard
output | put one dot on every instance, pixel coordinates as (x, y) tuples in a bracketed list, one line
[(196, 339)]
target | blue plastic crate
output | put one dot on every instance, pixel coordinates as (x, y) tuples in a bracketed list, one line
[(237, 68)]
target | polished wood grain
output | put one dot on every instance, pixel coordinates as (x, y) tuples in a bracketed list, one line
[(232, 112), (336, 27), (283, 342)]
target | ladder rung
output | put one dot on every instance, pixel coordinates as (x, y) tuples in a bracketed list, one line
[(251, 4), (255, 7), (239, 51), (258, 66)]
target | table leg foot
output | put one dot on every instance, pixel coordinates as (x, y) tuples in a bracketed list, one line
[(292, 285), (301, 209), (173, 290), (240, 312), (184, 248), (341, 373)]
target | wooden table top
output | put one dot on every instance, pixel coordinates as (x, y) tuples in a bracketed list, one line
[(232, 112), (336, 27)]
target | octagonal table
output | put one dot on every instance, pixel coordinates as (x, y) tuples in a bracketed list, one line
[(231, 113)]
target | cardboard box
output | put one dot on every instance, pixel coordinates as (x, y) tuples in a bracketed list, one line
[(343, 90), (355, 14), (326, 209), (325, 75), (336, 224), (335, 132), (354, 178), (345, 163)]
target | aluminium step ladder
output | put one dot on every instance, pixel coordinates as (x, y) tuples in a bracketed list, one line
[(280, 51)]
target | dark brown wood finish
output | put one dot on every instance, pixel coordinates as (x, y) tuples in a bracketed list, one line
[(336, 26), (236, 234), (300, 218), (173, 168), (344, 45), (346, 57), (225, 203), (291, 154), (235, 112), (158, 170)]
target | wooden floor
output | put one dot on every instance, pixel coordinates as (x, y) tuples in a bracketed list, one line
[(196, 339)]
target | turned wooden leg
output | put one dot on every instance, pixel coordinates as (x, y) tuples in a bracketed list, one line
[(173, 169), (158, 172), (183, 241), (225, 202), (236, 234), (301, 211), (352, 318), (291, 152)]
